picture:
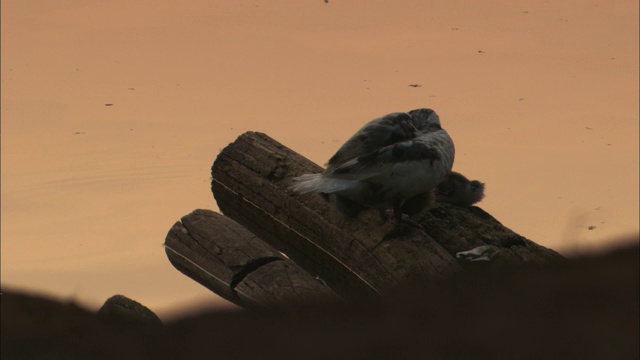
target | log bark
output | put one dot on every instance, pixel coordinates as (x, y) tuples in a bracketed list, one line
[(250, 182), (229, 260)]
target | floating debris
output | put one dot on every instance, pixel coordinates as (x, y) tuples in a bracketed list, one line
[(480, 253), (415, 85)]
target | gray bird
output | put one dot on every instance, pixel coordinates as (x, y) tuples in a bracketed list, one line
[(395, 161)]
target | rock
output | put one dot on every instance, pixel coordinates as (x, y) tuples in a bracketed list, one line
[(121, 312)]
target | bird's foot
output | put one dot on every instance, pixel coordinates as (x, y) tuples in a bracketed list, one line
[(406, 221), (385, 216), (403, 227)]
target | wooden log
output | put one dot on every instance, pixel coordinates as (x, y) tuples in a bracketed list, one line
[(229, 260), (460, 229), (250, 182)]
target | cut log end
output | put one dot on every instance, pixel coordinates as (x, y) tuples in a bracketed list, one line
[(232, 262)]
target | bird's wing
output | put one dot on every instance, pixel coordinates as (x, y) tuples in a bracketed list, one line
[(375, 135), (400, 156)]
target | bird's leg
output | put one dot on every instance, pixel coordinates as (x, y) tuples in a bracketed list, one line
[(397, 212), (384, 215), (403, 227), (417, 203), (401, 219)]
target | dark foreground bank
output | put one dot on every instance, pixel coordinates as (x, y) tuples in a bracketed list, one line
[(582, 308)]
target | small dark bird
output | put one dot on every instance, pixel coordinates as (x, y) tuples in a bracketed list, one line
[(458, 190), (392, 162)]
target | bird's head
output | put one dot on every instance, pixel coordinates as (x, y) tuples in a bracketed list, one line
[(425, 120)]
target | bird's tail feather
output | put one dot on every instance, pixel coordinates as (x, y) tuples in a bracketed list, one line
[(316, 182)]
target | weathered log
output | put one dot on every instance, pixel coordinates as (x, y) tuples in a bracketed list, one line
[(229, 260), (459, 229), (250, 182)]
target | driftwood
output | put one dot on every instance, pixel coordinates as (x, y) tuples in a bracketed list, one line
[(355, 257), (227, 259)]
